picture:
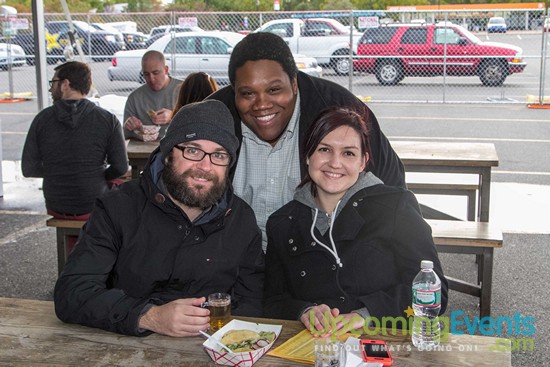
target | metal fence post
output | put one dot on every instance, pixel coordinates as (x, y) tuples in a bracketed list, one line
[(543, 55), (40, 53), (1, 179), (350, 54)]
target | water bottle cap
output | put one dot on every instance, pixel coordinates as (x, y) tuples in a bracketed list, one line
[(426, 264)]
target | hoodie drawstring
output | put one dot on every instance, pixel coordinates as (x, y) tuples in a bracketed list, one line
[(333, 251)]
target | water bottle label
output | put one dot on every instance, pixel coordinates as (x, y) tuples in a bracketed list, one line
[(422, 297)]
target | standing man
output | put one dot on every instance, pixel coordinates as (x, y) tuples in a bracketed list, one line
[(153, 102), (76, 146), (272, 106), (154, 249)]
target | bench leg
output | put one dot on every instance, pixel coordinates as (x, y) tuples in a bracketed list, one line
[(486, 268), (471, 211), (65, 242), (62, 248), (135, 172)]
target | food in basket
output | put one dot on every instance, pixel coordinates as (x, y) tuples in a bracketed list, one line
[(150, 129), (247, 340), (147, 132)]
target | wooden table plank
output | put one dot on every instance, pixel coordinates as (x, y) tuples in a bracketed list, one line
[(414, 153), (451, 233), (30, 334), (138, 154)]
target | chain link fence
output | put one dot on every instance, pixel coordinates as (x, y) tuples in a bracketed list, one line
[(381, 56)]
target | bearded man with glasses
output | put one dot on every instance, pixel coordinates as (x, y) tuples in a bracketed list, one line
[(154, 249)]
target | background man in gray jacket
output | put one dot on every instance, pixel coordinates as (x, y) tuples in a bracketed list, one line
[(153, 102)]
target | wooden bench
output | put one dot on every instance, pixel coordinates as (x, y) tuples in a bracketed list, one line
[(446, 184), (456, 158), (64, 228), (477, 238), (460, 189)]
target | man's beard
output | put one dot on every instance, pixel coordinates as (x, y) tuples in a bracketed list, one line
[(56, 96), (195, 196)]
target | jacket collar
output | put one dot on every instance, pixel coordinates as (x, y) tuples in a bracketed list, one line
[(350, 220), (69, 111)]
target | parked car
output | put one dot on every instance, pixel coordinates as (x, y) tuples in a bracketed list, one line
[(308, 65), (323, 38), (11, 54), (496, 24), (194, 51), (132, 40), (163, 30), (206, 51), (395, 51), (26, 40), (97, 43)]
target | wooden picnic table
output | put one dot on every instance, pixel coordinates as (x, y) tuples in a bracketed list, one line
[(31, 334), (138, 154), (452, 157)]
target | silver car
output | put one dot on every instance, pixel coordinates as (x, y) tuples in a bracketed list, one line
[(11, 54), (207, 51)]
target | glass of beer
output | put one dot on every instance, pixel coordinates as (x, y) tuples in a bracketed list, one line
[(219, 305)]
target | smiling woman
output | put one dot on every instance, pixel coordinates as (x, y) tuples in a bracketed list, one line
[(347, 246)]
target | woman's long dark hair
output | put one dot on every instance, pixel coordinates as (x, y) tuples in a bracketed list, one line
[(196, 87), (327, 121)]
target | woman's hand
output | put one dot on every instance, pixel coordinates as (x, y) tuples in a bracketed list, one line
[(323, 321), (319, 319)]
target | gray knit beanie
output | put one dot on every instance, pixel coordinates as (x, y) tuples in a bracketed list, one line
[(206, 120)]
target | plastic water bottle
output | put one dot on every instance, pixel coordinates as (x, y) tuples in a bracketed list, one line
[(426, 302)]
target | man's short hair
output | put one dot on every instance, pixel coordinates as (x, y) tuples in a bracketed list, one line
[(262, 46), (153, 54), (77, 73)]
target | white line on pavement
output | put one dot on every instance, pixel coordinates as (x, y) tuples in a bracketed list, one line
[(424, 138)]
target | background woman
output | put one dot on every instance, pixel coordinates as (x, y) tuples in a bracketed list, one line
[(195, 88), (347, 243)]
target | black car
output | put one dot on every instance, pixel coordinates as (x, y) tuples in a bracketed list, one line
[(26, 41), (132, 40), (96, 43)]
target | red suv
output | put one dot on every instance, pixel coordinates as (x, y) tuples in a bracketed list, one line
[(395, 51)]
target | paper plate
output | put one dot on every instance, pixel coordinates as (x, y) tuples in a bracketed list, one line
[(224, 358)]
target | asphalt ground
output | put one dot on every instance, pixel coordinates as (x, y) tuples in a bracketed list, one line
[(28, 265)]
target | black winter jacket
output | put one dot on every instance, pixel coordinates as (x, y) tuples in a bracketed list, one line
[(381, 238), (317, 94), (138, 248), (76, 147)]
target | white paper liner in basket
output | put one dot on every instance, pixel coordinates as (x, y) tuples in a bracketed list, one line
[(244, 359)]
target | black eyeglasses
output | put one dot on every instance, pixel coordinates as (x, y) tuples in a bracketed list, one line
[(196, 154), (53, 81)]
